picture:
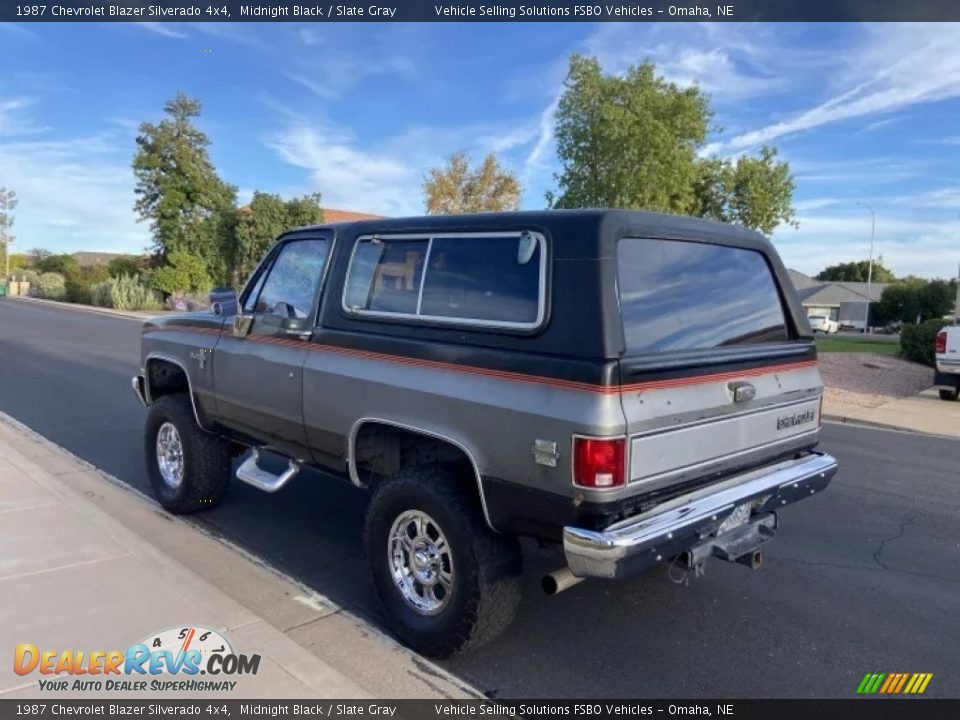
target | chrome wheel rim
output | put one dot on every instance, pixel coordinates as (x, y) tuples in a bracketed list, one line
[(170, 455), (421, 562)]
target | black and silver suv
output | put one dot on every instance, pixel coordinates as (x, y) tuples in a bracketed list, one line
[(633, 388)]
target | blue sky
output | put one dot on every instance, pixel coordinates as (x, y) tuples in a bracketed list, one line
[(866, 113)]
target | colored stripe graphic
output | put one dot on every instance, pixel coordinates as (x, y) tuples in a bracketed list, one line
[(894, 683)]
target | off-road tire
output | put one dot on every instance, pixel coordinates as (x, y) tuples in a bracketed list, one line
[(486, 588), (206, 458), (950, 394)]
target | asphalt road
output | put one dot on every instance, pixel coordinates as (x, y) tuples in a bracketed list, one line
[(865, 578)]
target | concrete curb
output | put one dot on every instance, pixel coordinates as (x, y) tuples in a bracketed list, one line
[(129, 314), (844, 420)]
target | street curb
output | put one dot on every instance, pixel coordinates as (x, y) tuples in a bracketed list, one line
[(128, 314), (844, 420), (308, 596)]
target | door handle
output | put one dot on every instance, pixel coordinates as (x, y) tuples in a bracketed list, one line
[(299, 334)]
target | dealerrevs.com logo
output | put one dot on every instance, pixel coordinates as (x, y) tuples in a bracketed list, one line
[(167, 661)]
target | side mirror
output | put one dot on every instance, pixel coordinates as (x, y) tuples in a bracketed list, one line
[(224, 301)]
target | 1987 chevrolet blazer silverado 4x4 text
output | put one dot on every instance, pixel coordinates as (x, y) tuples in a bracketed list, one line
[(635, 388)]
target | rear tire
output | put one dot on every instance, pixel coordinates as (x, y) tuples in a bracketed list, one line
[(452, 587), (189, 468), (950, 394)]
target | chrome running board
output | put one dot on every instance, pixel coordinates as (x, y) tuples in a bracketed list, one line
[(252, 474)]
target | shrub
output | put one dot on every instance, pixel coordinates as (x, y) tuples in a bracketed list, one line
[(28, 276), (126, 292), (182, 273), (51, 286), (100, 294), (917, 341), (80, 279)]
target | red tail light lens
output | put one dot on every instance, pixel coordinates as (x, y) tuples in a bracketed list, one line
[(942, 341), (598, 463)]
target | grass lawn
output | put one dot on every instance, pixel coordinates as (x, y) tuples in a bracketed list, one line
[(832, 344)]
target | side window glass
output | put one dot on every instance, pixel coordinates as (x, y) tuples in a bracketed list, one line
[(385, 275), (292, 281), (482, 278)]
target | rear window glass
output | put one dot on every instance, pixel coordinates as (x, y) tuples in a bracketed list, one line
[(483, 280), (694, 296)]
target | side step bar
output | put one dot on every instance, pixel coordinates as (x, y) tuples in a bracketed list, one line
[(252, 474)]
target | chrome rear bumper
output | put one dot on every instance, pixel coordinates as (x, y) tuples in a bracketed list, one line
[(640, 542)]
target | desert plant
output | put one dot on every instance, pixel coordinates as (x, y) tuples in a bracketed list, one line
[(100, 294), (126, 292), (917, 341), (51, 286)]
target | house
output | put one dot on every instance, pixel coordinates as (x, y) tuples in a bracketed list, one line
[(331, 215), (844, 302)]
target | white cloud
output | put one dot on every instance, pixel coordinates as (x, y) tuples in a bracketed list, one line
[(909, 246), (12, 120), (386, 177), (897, 66), (75, 194), (347, 176), (165, 29)]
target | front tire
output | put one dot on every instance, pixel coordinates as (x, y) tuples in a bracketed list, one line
[(950, 395), (189, 468), (445, 580)]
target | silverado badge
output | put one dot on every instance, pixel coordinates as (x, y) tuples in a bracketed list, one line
[(789, 421)]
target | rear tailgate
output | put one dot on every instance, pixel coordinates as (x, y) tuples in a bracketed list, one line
[(949, 361), (714, 378)]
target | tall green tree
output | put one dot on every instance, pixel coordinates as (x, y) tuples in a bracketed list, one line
[(178, 190), (914, 299), (857, 272), (8, 201), (252, 229), (458, 188), (636, 141)]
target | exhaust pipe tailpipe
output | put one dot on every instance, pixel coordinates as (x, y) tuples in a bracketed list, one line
[(559, 580)]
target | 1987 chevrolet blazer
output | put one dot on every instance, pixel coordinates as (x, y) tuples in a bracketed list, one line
[(637, 389)]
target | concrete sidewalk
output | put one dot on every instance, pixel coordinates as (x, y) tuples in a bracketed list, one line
[(88, 565), (924, 412)]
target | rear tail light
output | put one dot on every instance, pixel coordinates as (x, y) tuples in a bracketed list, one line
[(941, 342), (598, 463)]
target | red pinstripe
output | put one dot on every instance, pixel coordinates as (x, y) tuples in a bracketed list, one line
[(508, 375)]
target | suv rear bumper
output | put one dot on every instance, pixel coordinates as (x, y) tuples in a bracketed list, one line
[(674, 527)]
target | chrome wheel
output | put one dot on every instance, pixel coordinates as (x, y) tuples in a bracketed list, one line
[(421, 562), (170, 455)]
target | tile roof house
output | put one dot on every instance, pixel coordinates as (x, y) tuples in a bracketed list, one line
[(331, 215), (840, 301)]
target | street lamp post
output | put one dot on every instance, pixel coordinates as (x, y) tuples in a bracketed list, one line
[(873, 227)]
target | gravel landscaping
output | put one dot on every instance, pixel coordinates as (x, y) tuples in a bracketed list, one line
[(871, 379)]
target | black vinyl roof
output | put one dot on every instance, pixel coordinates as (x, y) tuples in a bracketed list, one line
[(569, 228)]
